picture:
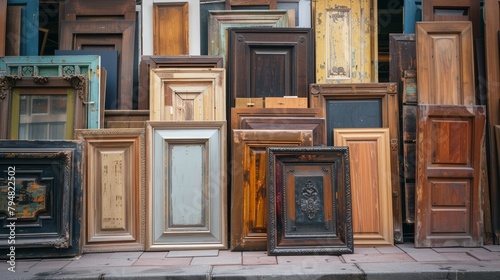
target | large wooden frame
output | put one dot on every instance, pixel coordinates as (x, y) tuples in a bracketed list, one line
[(270, 62), (445, 63), (220, 21), (181, 94), (151, 62), (384, 94), (114, 189), (148, 39), (46, 177), (346, 41), (186, 196), (248, 188), (99, 33), (87, 65), (309, 198), (491, 28), (73, 88), (99, 10), (448, 197), (371, 192)]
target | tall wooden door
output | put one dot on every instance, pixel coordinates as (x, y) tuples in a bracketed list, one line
[(448, 200), (346, 41)]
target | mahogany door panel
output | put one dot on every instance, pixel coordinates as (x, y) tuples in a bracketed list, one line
[(448, 197), (170, 28)]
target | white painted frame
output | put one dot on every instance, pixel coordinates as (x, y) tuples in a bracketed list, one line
[(194, 25)]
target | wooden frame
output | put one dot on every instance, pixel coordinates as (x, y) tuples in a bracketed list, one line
[(86, 65), (194, 25), (371, 191), (270, 62), (465, 10), (309, 198), (445, 63), (182, 154), (238, 114), (114, 189), (450, 142), (170, 28), (151, 62), (73, 88), (27, 38), (3, 26), (187, 94), (272, 4), (220, 21), (346, 37), (98, 10), (248, 189), (48, 190), (316, 125), (124, 30)]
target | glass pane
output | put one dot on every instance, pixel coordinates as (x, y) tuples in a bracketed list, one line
[(42, 117)]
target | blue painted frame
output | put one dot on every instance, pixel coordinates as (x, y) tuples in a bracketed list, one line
[(88, 65), (412, 13), (29, 25)]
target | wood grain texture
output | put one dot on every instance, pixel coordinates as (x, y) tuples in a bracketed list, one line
[(369, 152), (448, 196), (457, 10), (114, 189), (99, 10), (170, 28), (13, 32), (248, 187), (3, 26), (271, 4)]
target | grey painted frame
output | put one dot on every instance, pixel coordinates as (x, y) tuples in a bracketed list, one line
[(335, 239), (167, 169)]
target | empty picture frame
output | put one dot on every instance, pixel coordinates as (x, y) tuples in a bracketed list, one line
[(248, 185), (187, 94), (40, 107), (46, 177), (114, 189), (309, 200), (186, 193), (371, 192)]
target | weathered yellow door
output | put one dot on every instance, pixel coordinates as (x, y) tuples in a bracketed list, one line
[(346, 41)]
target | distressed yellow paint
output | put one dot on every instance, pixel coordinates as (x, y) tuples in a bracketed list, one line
[(113, 191), (346, 41)]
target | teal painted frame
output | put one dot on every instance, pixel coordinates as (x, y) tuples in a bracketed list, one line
[(29, 25), (88, 65)]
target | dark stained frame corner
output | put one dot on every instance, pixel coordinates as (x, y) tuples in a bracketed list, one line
[(309, 200)]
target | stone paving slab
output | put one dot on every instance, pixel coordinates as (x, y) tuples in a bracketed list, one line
[(193, 253)]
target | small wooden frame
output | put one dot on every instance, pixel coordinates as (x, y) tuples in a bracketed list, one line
[(309, 199), (272, 4), (42, 107), (186, 194), (248, 185), (114, 190), (182, 94), (371, 190), (46, 177), (170, 28), (151, 62), (445, 63), (119, 34)]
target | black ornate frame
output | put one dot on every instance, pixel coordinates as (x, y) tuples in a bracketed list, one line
[(331, 232)]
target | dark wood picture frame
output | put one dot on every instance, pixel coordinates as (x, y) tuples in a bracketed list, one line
[(73, 87), (309, 200), (48, 182), (271, 4)]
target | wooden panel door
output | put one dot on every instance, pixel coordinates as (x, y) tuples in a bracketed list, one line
[(114, 189), (186, 196), (346, 41), (453, 10), (491, 38), (186, 94), (448, 200), (170, 28), (23, 16), (445, 63), (412, 13), (271, 62), (371, 192), (248, 185)]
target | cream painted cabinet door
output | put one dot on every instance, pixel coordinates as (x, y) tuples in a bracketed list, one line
[(346, 41)]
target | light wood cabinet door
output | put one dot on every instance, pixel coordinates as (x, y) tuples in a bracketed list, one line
[(346, 41), (448, 195), (170, 28), (370, 183), (248, 186)]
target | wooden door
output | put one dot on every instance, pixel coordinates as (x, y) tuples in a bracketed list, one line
[(445, 63), (248, 185), (371, 191), (448, 196), (346, 41), (170, 28), (453, 10), (23, 17)]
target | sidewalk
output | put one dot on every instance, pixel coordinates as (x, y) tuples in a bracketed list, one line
[(402, 261)]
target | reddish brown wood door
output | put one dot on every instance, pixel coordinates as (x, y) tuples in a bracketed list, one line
[(448, 200)]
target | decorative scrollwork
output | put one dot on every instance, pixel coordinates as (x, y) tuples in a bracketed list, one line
[(28, 71), (6, 83), (315, 89), (41, 80), (309, 202), (78, 83), (68, 70)]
